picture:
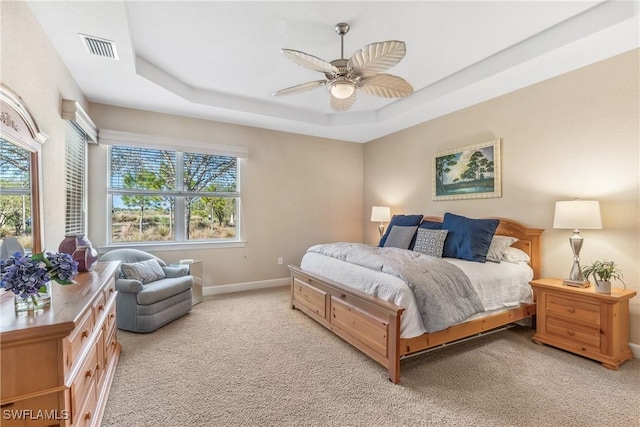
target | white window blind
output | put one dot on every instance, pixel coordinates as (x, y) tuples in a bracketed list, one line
[(75, 179)]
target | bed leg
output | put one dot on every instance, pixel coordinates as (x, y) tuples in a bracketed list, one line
[(393, 349)]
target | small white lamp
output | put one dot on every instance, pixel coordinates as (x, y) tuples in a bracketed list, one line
[(380, 214), (576, 214)]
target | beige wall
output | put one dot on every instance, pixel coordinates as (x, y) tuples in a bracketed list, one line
[(31, 67), (572, 136), (296, 191), (576, 135)]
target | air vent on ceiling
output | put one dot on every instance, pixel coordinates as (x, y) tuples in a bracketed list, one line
[(99, 47)]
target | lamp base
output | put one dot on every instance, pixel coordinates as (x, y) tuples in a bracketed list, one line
[(576, 283)]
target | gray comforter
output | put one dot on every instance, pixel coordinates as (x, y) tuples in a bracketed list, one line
[(444, 294)]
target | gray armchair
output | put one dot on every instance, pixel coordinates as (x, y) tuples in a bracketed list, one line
[(145, 307)]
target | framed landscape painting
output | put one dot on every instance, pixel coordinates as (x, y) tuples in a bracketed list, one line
[(471, 172)]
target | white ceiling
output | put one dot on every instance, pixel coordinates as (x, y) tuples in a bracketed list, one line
[(221, 60)]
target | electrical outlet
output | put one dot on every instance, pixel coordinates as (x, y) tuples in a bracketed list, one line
[(279, 260)]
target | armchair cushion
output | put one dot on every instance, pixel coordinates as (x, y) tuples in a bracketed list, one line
[(129, 286), (144, 271), (163, 289)]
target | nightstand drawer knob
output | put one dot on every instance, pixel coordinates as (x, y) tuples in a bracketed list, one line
[(570, 332), (571, 309)]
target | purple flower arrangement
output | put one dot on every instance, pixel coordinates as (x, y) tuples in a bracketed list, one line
[(26, 275)]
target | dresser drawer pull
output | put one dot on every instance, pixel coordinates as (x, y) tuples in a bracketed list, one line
[(87, 416), (101, 307), (85, 334), (571, 309), (570, 332), (88, 373)]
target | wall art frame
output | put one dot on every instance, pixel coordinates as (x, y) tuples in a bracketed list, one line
[(471, 172)]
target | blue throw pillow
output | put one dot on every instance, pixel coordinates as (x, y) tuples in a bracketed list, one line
[(431, 225), (468, 239), (400, 220)]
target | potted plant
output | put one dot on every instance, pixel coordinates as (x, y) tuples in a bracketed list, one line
[(602, 272)]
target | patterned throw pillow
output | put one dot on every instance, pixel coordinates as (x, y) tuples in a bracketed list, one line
[(400, 237), (143, 271), (430, 242)]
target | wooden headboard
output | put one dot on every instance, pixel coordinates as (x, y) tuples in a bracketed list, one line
[(528, 240)]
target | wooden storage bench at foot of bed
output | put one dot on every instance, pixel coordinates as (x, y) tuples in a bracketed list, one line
[(369, 324), (372, 325)]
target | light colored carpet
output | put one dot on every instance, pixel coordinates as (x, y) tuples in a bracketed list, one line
[(247, 359)]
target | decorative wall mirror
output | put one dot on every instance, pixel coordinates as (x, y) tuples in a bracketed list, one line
[(20, 203)]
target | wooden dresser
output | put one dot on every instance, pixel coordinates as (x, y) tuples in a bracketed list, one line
[(58, 363), (583, 321)]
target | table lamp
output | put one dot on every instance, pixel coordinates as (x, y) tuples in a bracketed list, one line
[(380, 214), (577, 214)]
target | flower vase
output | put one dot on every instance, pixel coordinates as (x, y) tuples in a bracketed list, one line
[(34, 302), (72, 242), (86, 257)]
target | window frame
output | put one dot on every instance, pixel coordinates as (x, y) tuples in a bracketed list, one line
[(179, 240)]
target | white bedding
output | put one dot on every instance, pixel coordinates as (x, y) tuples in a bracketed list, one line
[(499, 285)]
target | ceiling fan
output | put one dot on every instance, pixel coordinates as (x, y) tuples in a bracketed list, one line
[(362, 71)]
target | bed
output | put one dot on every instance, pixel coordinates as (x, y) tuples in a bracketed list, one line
[(376, 326)]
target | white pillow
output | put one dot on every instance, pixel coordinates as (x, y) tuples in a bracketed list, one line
[(498, 246), (515, 256), (143, 271)]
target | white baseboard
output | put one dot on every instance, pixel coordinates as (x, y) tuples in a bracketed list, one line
[(635, 349), (247, 286)]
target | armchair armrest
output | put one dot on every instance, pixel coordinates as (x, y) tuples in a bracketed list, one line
[(129, 286), (180, 271)]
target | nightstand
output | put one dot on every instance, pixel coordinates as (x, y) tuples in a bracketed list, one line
[(583, 321)]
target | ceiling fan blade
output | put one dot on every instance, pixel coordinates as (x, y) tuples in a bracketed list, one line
[(341, 104), (386, 86), (300, 88), (377, 57), (309, 61)]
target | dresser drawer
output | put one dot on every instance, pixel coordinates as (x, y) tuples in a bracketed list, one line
[(579, 311), (98, 307), (86, 414), (110, 290), (83, 387), (574, 333), (24, 413), (79, 337), (111, 346)]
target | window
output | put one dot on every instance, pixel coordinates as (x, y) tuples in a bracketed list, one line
[(15, 193), (75, 174), (158, 195)]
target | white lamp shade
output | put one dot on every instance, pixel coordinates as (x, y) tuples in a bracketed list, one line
[(380, 213), (578, 214)]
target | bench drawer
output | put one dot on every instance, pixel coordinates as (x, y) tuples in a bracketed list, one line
[(311, 297)]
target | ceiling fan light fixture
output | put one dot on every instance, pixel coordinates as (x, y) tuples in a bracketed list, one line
[(363, 71), (342, 89)]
